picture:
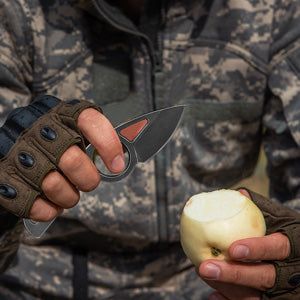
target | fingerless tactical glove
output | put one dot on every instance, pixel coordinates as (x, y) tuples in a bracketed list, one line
[(282, 219), (32, 141)]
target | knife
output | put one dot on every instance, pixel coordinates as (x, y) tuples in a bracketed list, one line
[(141, 137)]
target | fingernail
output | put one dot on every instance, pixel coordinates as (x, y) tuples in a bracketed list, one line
[(118, 164), (240, 252), (211, 271)]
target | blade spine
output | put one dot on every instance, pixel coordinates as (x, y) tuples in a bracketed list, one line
[(170, 136), (128, 123)]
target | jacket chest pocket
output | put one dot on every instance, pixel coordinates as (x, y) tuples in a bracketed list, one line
[(224, 98)]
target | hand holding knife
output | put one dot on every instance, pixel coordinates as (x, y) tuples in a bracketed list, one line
[(142, 137)]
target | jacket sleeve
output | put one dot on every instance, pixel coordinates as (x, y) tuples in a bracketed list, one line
[(15, 78), (11, 229), (15, 58), (282, 110)]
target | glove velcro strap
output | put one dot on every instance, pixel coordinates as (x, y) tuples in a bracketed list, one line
[(290, 295), (292, 231), (276, 215), (287, 276), (282, 219), (36, 152)]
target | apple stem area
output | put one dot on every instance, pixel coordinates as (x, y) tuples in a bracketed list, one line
[(215, 251)]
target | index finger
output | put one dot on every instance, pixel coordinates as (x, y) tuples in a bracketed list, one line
[(102, 135), (275, 246)]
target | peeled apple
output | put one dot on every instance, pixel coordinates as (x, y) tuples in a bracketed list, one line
[(211, 222)]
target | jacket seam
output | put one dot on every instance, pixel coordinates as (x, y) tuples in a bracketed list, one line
[(283, 54), (249, 57), (293, 67), (7, 61)]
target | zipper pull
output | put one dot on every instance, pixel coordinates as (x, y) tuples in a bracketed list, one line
[(157, 62)]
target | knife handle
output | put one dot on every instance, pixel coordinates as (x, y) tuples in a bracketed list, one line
[(37, 229), (131, 161)]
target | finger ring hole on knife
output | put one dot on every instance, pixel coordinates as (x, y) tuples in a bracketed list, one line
[(101, 166)]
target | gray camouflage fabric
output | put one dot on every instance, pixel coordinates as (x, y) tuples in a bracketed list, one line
[(235, 65)]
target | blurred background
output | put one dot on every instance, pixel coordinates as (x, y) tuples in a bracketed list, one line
[(259, 181)]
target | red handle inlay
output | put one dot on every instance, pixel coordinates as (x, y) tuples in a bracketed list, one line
[(132, 131)]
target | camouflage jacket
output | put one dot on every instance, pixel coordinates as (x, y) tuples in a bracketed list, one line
[(235, 65)]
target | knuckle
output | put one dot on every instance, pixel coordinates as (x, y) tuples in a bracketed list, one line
[(51, 182), (237, 276), (115, 142), (46, 214), (268, 278), (71, 159), (263, 252), (111, 146), (71, 201), (92, 184), (91, 118), (87, 115), (286, 248), (50, 213), (281, 246)]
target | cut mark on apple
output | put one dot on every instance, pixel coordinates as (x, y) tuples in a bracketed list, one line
[(206, 207)]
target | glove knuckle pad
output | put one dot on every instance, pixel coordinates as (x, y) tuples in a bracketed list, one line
[(37, 151)]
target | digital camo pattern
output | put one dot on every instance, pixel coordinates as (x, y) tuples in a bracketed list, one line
[(235, 65)]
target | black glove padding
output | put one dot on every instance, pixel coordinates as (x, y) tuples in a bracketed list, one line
[(32, 141), (282, 219)]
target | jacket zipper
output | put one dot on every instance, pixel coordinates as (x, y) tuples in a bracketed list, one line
[(155, 54), (128, 30), (160, 159)]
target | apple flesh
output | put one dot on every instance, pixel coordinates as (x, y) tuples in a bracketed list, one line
[(211, 222)]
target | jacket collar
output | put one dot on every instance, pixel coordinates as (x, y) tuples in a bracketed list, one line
[(108, 11)]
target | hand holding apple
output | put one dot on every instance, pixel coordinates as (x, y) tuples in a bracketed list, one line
[(249, 269), (212, 221)]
